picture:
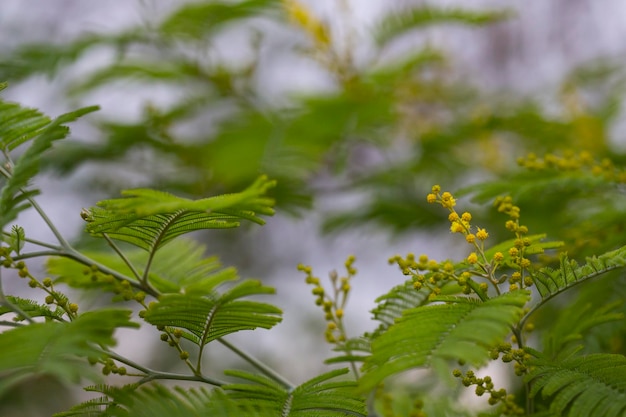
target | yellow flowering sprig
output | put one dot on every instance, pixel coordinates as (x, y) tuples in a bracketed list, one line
[(430, 274), (521, 277), (333, 303), (480, 264)]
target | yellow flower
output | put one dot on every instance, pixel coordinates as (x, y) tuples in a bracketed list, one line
[(431, 198), (453, 216), (471, 238), (436, 189), (472, 258), (457, 228), (466, 217), (482, 234), (513, 252), (498, 257), (447, 200)]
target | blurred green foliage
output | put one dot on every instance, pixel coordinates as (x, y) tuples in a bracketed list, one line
[(386, 125), (391, 125)]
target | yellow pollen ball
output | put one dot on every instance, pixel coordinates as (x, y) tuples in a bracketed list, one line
[(482, 234), (456, 228), (466, 217), (472, 258), (453, 216), (471, 238)]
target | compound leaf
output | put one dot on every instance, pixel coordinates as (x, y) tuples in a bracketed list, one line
[(315, 398), (206, 318), (461, 330), (581, 386), (58, 349), (150, 218)]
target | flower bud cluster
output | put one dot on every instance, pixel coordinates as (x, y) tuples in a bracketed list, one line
[(519, 278), (519, 356), (478, 262), (484, 386), (425, 272), (332, 301)]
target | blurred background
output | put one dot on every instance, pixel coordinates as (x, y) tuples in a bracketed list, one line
[(355, 107)]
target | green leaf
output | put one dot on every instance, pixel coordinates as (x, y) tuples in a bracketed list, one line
[(425, 336), (551, 282), (566, 333), (581, 386), (13, 198), (58, 349), (181, 266), (315, 398), (403, 21), (32, 308), (150, 219), (159, 401), (198, 20), (16, 239), (206, 318)]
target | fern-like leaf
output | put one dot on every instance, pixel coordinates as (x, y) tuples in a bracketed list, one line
[(551, 282), (315, 398), (206, 318), (32, 308), (398, 23), (58, 349), (159, 401), (181, 266), (582, 386), (149, 218), (13, 198), (566, 333), (461, 329), (198, 20)]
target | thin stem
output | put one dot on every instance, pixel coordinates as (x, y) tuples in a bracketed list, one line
[(258, 364), (48, 222), (11, 324), (37, 242), (122, 256), (151, 374)]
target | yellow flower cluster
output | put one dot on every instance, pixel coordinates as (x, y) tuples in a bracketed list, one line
[(519, 278)]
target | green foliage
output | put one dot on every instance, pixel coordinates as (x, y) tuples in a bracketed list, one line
[(214, 316), (316, 397), (462, 329), (418, 17), (388, 125), (583, 385), (23, 125), (150, 218), (196, 21), (58, 349), (159, 401), (551, 282)]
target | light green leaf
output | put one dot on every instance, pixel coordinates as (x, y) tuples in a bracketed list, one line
[(427, 335), (150, 219), (58, 349), (317, 397), (582, 386), (206, 318)]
